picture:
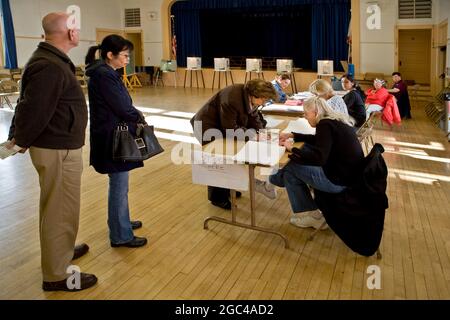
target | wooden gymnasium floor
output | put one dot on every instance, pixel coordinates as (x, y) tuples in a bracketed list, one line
[(183, 261)]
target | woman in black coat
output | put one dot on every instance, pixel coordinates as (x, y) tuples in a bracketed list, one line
[(109, 104), (328, 161), (354, 100)]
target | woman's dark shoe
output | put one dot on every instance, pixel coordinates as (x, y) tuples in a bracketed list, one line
[(238, 194), (86, 281), (135, 243), (224, 205), (136, 225), (80, 250)]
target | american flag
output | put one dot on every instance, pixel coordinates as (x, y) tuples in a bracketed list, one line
[(174, 47)]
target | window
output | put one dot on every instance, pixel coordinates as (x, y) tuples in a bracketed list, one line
[(414, 9), (132, 17)]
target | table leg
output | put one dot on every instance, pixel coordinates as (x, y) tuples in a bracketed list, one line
[(253, 225)]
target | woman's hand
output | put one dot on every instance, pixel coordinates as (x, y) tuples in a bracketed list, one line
[(288, 144), (285, 136)]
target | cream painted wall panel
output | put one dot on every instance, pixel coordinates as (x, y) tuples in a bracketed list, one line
[(443, 9), (152, 53), (388, 21), (377, 57), (27, 16), (444, 14), (151, 28), (378, 46)]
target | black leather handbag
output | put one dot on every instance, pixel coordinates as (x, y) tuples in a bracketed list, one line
[(129, 148)]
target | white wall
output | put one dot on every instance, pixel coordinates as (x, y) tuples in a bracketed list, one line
[(151, 28), (378, 46), (27, 16), (444, 15)]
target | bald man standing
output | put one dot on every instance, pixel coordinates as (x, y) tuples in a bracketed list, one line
[(50, 120)]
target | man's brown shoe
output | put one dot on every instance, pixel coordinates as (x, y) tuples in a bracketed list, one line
[(86, 281), (80, 250)]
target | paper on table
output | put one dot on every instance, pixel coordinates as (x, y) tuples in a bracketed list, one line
[(5, 152), (282, 107), (300, 125), (302, 95), (263, 153), (213, 170), (272, 122)]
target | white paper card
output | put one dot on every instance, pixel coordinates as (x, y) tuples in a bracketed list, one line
[(282, 107), (300, 125), (272, 122), (213, 171), (257, 152), (5, 153)]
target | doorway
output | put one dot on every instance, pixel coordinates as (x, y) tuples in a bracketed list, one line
[(442, 58), (414, 55), (103, 33), (136, 39)]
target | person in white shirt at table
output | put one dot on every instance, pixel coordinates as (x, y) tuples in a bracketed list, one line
[(323, 89)]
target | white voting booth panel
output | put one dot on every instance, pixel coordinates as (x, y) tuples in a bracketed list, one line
[(324, 67), (253, 65), (221, 64), (284, 65), (194, 63), (213, 171)]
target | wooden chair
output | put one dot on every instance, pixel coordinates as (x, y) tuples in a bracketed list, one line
[(8, 88)]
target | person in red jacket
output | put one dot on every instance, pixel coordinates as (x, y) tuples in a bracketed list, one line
[(377, 97)]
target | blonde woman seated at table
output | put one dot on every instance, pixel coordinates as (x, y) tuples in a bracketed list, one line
[(323, 89), (329, 161), (376, 97)]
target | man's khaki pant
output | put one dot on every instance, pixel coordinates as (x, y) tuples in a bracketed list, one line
[(59, 209)]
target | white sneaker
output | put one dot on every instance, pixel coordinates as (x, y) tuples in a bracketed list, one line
[(266, 188), (309, 219)]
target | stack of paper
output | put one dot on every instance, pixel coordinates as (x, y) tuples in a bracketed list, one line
[(302, 95), (282, 107), (260, 152), (5, 152), (300, 125), (272, 122)]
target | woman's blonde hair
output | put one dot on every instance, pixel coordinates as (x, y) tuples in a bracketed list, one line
[(324, 111), (320, 88)]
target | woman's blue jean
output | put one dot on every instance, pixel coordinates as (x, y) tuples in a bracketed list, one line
[(296, 178), (118, 211)]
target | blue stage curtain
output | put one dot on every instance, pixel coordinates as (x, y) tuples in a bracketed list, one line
[(188, 33), (9, 38), (329, 33), (323, 38)]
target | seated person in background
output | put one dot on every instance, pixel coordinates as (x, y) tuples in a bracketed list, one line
[(323, 89), (400, 92), (377, 97), (234, 107), (328, 161), (352, 99), (281, 82)]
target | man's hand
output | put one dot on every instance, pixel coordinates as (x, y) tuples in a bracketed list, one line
[(12, 143)]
